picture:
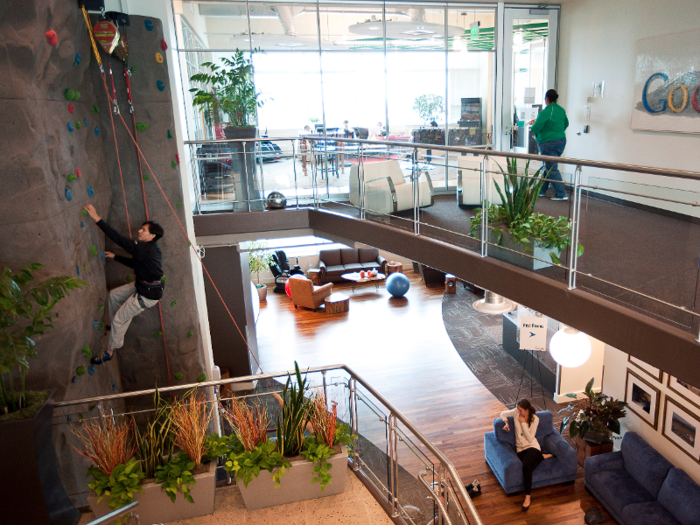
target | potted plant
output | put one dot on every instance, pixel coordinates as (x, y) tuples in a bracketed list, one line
[(516, 226), (593, 422), (290, 467), (26, 311), (170, 468), (430, 108), (259, 259)]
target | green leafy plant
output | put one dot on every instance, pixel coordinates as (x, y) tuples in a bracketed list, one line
[(120, 485), (247, 464), (25, 312), (259, 259), (295, 414), (318, 453), (154, 446), (176, 476), (228, 90), (429, 107), (596, 419)]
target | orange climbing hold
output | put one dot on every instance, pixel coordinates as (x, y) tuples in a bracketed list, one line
[(52, 37)]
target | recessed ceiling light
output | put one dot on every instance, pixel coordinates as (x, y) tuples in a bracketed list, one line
[(418, 32), (290, 45), (374, 28)]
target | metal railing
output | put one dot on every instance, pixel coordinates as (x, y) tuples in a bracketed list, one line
[(448, 496), (445, 172)]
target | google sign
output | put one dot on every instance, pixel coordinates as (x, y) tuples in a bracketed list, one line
[(676, 105)]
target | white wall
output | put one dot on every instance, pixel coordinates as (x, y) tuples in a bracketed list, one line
[(598, 42), (574, 380), (614, 383)]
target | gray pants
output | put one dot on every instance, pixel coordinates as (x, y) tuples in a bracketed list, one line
[(123, 307)]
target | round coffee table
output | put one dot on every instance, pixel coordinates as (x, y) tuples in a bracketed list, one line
[(356, 279), (337, 303)]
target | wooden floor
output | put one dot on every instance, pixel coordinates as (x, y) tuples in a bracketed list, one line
[(401, 348)]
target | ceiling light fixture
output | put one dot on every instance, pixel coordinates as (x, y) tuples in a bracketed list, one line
[(492, 303), (570, 348)]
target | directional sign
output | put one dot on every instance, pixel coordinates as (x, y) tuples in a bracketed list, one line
[(533, 333)]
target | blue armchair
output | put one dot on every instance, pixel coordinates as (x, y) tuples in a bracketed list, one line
[(499, 447)]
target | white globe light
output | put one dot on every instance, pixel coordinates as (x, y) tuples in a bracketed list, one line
[(570, 348)]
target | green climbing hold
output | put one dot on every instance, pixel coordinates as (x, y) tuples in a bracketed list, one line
[(173, 303), (77, 124), (189, 334), (146, 177), (80, 370), (85, 213), (100, 308), (173, 164), (84, 267), (71, 178), (133, 69), (92, 407), (179, 203), (81, 416), (201, 377), (165, 279), (170, 135), (57, 315), (101, 326), (86, 352), (178, 376), (95, 109), (76, 94), (93, 250), (141, 126), (69, 94), (129, 277), (158, 334)]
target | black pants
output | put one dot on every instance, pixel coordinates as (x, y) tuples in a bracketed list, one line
[(531, 458)]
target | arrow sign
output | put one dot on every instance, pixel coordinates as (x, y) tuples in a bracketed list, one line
[(533, 333)]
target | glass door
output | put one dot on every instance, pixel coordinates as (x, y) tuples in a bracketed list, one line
[(529, 70)]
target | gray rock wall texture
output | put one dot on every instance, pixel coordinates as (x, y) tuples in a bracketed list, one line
[(41, 210)]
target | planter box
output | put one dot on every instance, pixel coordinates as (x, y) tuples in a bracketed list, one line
[(156, 507), (518, 259), (295, 485), (586, 449)]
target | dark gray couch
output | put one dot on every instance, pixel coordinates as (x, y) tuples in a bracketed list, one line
[(335, 263)]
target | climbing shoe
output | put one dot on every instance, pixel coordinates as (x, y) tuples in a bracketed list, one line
[(102, 359)]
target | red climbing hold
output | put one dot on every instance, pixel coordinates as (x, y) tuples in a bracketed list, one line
[(77, 172), (163, 45), (177, 158), (52, 37), (70, 108)]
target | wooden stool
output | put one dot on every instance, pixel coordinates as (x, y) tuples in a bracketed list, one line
[(337, 303), (315, 276), (393, 266), (450, 283)]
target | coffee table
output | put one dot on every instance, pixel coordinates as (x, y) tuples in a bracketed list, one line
[(356, 279)]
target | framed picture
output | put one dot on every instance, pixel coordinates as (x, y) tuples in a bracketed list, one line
[(642, 398), (681, 428), (654, 372), (685, 390)]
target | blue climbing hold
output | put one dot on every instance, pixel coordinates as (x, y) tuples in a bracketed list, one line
[(91, 370), (70, 126), (82, 224), (160, 85), (114, 386), (77, 269), (90, 191), (69, 418), (77, 59), (97, 131), (85, 121), (74, 380), (95, 324), (69, 195), (149, 25), (102, 255)]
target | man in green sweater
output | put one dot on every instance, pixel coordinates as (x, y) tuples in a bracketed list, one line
[(551, 141)]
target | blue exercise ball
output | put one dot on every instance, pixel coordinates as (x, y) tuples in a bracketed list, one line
[(397, 284)]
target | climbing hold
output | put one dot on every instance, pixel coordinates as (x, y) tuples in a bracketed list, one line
[(77, 59), (93, 250), (201, 377), (86, 352), (189, 334), (101, 307), (97, 131), (82, 224), (179, 203), (91, 371), (91, 407), (85, 121), (69, 94), (85, 213), (69, 195), (84, 267), (52, 37), (77, 124), (178, 376), (101, 326), (80, 370), (102, 256), (70, 127), (95, 324), (129, 277), (95, 109), (70, 108), (158, 334), (159, 58), (133, 70), (146, 177), (164, 279), (173, 303), (80, 416), (77, 172), (72, 177), (170, 135), (160, 85), (177, 158), (163, 45), (77, 270), (76, 95), (141, 126), (173, 164), (90, 191), (114, 386), (74, 380), (149, 25)]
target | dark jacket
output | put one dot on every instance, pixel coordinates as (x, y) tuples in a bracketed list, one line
[(146, 262)]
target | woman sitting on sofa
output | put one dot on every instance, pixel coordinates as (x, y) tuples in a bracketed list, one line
[(526, 443)]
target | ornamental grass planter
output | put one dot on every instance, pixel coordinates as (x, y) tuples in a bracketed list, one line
[(155, 506), (520, 256), (295, 484)]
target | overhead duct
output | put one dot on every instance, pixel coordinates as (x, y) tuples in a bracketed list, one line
[(416, 14), (286, 17)]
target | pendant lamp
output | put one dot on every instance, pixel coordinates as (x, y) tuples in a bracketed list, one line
[(492, 303), (570, 348)]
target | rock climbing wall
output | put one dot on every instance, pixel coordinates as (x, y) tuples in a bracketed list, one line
[(58, 154)]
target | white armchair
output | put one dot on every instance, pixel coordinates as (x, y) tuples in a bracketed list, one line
[(386, 189), (469, 191)]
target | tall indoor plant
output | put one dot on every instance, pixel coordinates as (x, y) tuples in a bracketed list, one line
[(259, 259), (429, 107)]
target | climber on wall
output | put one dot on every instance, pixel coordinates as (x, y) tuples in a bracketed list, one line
[(129, 300)]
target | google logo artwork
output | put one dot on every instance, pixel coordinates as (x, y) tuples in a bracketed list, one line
[(667, 101)]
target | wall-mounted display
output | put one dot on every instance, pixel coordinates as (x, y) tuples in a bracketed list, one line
[(681, 428), (654, 372), (685, 390), (642, 398)]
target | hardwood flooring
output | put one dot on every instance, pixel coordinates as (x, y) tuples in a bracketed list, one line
[(401, 348)]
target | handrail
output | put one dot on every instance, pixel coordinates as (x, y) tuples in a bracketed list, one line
[(447, 465), (114, 514)]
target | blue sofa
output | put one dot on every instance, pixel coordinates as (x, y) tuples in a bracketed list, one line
[(499, 448), (638, 486)]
